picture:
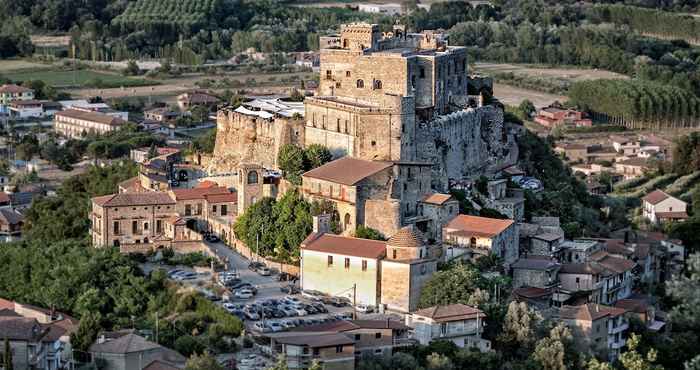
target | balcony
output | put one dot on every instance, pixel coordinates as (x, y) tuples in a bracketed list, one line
[(618, 329), (619, 344)]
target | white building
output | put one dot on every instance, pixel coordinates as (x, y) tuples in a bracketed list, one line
[(386, 9), (658, 206), (74, 123), (458, 323), (24, 109), (474, 236)]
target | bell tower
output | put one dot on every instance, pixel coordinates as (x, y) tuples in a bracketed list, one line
[(249, 185)]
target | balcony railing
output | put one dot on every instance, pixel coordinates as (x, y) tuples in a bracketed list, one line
[(618, 328), (617, 345)]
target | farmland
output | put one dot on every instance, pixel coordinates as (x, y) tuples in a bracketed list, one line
[(79, 78)]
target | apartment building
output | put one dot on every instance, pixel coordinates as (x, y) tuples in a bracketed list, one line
[(458, 323), (10, 93), (77, 122), (334, 351)]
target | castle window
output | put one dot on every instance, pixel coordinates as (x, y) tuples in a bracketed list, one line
[(393, 253), (224, 210), (337, 124), (422, 72), (337, 85), (252, 177), (347, 73), (134, 227), (423, 269), (145, 225), (213, 208), (377, 84), (116, 227), (346, 126), (347, 263), (346, 221), (159, 226), (188, 210), (360, 84), (329, 74), (374, 143)]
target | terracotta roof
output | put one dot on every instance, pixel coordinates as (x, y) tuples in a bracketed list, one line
[(126, 344), (222, 198), (531, 292), (655, 197), (479, 226), (343, 245), (21, 328), (633, 305), (90, 116), (197, 193), (343, 326), (672, 215), (312, 339), (176, 220), (4, 198), (615, 264), (133, 199), (19, 103), (13, 89), (347, 170), (535, 264), (581, 269), (451, 312), (132, 184), (636, 161), (407, 237), (380, 324), (436, 198), (160, 365), (589, 312), (206, 184)]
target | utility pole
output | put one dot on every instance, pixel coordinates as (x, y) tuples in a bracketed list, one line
[(354, 301), (156, 326)]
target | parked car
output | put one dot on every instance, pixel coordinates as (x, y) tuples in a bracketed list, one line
[(251, 315), (275, 326), (255, 266), (243, 294), (288, 324), (312, 294), (288, 311), (289, 289), (320, 307), (310, 309), (264, 271), (363, 308), (262, 327), (230, 307), (212, 238), (291, 300), (174, 272)]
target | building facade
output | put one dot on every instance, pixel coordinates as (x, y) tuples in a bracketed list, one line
[(458, 323), (77, 122)]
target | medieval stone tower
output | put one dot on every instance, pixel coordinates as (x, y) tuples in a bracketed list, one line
[(249, 185)]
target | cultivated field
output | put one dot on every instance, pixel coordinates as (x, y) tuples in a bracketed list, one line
[(62, 78), (510, 95), (10, 65), (572, 74)]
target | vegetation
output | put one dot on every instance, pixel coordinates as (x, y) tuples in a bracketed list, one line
[(651, 21), (686, 154), (294, 161), (365, 232), (457, 284)]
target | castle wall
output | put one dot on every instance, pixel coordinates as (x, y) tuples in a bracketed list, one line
[(383, 215)]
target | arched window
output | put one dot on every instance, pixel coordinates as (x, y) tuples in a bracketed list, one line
[(346, 221), (472, 241), (377, 84), (252, 177), (360, 84)]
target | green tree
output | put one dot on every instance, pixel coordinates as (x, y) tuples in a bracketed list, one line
[(519, 326), (280, 364), (316, 156), (633, 360), (457, 284), (291, 160), (132, 69), (685, 290), (551, 352), (436, 361), (85, 336), (365, 232), (204, 361)]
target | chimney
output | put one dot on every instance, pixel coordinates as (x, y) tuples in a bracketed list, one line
[(321, 223)]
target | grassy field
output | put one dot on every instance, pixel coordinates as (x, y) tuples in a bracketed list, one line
[(80, 78), (14, 65)]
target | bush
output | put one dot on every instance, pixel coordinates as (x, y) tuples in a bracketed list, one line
[(188, 345)]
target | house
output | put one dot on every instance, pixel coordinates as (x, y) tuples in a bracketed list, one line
[(597, 329), (372, 272), (554, 116), (577, 251), (541, 237), (603, 278), (163, 114), (39, 338), (24, 109), (389, 9), (587, 153), (11, 222), (131, 351), (10, 93), (658, 207), (628, 146), (618, 284), (334, 351), (441, 208), (472, 236), (535, 272), (642, 310), (458, 323), (632, 167), (75, 123), (372, 337), (193, 99)]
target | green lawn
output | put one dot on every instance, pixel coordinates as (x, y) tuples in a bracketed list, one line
[(80, 78)]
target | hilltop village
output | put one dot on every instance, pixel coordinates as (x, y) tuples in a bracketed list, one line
[(389, 210)]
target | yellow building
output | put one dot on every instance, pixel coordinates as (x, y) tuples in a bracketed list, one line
[(74, 123)]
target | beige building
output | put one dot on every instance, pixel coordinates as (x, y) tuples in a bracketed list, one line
[(132, 352), (472, 236), (334, 351), (374, 272), (77, 122), (632, 167), (457, 323), (597, 329), (658, 206)]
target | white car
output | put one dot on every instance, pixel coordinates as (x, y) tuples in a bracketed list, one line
[(264, 271), (363, 308), (261, 328), (299, 311), (243, 294), (230, 307), (291, 300), (288, 324)]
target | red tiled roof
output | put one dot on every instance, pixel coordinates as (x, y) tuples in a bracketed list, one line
[(222, 198), (453, 312), (198, 193), (91, 117), (589, 312), (436, 198), (655, 197), (347, 170), (4, 198), (343, 245), (635, 162), (206, 184), (479, 226), (133, 199), (615, 264), (672, 215), (633, 305), (13, 89)]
